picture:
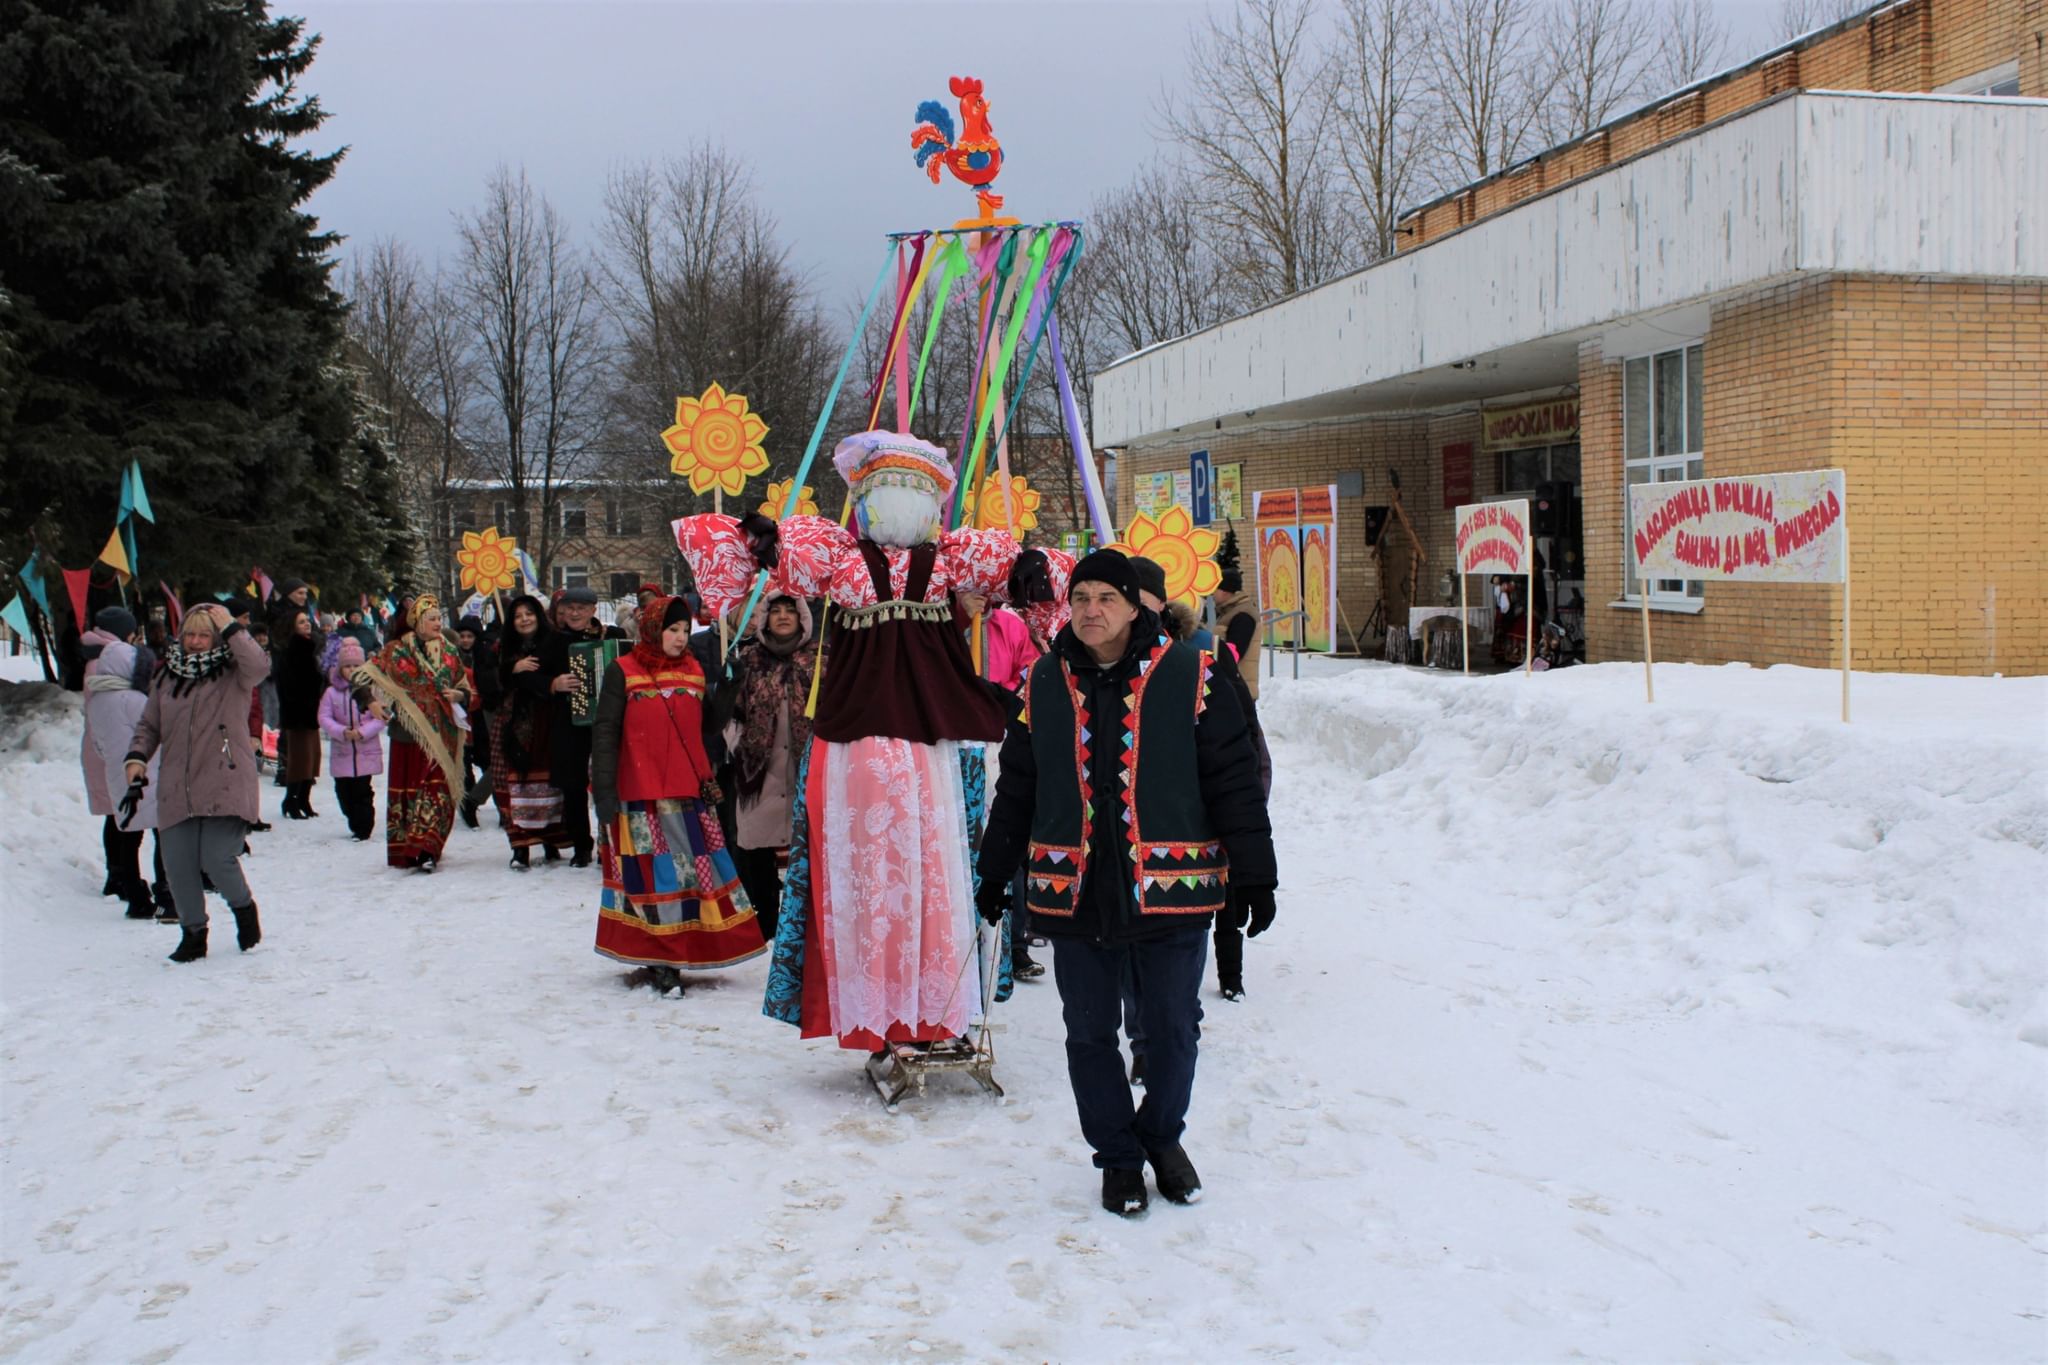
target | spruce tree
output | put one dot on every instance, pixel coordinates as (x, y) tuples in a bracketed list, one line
[(168, 298)]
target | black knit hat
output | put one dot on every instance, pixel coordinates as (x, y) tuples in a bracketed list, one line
[(1149, 575), (677, 610), (118, 622), (1106, 566)]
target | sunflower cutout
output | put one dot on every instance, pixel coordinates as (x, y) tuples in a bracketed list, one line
[(716, 442), (990, 513), (778, 498), (1186, 552), (490, 562), (1280, 573), (1315, 585)]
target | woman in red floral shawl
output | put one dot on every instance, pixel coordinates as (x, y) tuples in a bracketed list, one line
[(423, 681), (672, 899)]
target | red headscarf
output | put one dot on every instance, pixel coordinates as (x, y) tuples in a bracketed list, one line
[(653, 621)]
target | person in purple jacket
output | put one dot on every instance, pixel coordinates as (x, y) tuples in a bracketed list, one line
[(355, 747)]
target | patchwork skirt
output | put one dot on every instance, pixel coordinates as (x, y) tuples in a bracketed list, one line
[(672, 897)]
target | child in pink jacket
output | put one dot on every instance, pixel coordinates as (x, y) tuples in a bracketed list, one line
[(355, 748)]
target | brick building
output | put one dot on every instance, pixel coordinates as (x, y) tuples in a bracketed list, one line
[(1835, 256)]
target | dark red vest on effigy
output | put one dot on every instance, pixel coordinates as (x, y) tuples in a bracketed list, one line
[(900, 669)]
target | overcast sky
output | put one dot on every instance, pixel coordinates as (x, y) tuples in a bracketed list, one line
[(819, 97)]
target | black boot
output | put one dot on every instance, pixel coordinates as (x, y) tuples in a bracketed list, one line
[(249, 933), (141, 905), (553, 855), (1123, 1193), (290, 809), (306, 811), (521, 859), (1175, 1175), (469, 815), (191, 947)]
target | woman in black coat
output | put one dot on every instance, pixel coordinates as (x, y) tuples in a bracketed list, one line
[(300, 681)]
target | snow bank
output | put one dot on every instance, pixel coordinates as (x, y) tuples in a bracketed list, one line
[(1588, 1029)]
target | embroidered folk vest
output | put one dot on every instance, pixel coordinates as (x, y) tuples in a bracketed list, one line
[(1175, 865), (661, 753)]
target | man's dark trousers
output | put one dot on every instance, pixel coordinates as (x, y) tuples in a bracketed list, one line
[(1168, 973)]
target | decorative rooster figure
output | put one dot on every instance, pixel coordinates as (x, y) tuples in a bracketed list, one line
[(974, 157)]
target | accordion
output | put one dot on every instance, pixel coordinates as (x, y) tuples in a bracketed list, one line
[(588, 661)]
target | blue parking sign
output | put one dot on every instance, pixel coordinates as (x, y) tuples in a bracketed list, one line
[(1201, 483)]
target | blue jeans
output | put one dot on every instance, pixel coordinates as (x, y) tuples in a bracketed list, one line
[(1167, 973)]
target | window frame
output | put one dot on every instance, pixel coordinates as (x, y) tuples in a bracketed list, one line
[(1663, 465)]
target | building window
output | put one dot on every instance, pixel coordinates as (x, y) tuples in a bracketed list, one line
[(626, 584), (2003, 79), (621, 517), (1663, 440), (572, 575), (575, 522), (499, 518)]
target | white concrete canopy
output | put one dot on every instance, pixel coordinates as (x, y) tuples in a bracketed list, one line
[(1808, 183)]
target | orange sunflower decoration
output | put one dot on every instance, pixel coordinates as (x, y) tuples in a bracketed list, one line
[(990, 514), (490, 562), (716, 442), (778, 498), (1187, 552)]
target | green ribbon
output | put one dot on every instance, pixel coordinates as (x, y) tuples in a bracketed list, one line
[(953, 266), (1041, 242)]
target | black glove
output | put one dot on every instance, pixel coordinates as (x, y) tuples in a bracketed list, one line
[(763, 538), (1255, 902), (1231, 916), (1030, 579), (132, 800), (993, 900)]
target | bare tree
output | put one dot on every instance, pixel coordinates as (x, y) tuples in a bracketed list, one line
[(1797, 18), (1254, 120), (390, 316), (1149, 273), (1480, 58), (1598, 53), (1692, 44), (1380, 110), (700, 289), (440, 459), (528, 300)]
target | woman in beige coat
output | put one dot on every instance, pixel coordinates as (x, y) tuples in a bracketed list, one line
[(196, 723)]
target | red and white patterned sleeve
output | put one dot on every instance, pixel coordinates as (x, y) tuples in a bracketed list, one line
[(720, 558), (724, 562), (980, 561), (812, 548)]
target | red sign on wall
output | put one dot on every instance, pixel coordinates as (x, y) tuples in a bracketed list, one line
[(1457, 474)]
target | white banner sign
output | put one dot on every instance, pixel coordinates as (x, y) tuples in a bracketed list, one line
[(1493, 537), (1771, 528)]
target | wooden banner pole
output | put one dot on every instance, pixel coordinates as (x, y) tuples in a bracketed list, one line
[(1649, 683), (1846, 576), (1464, 623), (1529, 619), (724, 629)]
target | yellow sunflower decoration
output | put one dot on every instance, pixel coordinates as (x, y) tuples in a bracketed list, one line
[(778, 498), (991, 515), (1187, 552), (716, 442), (490, 562)]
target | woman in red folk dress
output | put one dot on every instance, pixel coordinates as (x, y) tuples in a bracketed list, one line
[(672, 898), (876, 942)]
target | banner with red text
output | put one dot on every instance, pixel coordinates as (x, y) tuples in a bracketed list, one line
[(1768, 528), (1493, 537)]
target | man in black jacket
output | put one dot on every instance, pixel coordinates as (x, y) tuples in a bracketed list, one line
[(568, 742), (1130, 794)]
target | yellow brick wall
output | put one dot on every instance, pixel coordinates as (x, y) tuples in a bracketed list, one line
[(1302, 454), (1917, 45), (1932, 397)]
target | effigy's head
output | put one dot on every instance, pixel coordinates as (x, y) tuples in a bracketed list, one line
[(900, 485)]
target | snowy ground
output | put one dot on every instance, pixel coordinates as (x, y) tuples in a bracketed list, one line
[(1589, 1029)]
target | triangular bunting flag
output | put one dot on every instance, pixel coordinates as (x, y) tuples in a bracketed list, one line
[(128, 539), (76, 581), (127, 499), (16, 617), (177, 608), (32, 581), (115, 554), (137, 499)]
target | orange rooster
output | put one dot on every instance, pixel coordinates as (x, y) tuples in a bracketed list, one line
[(974, 156)]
